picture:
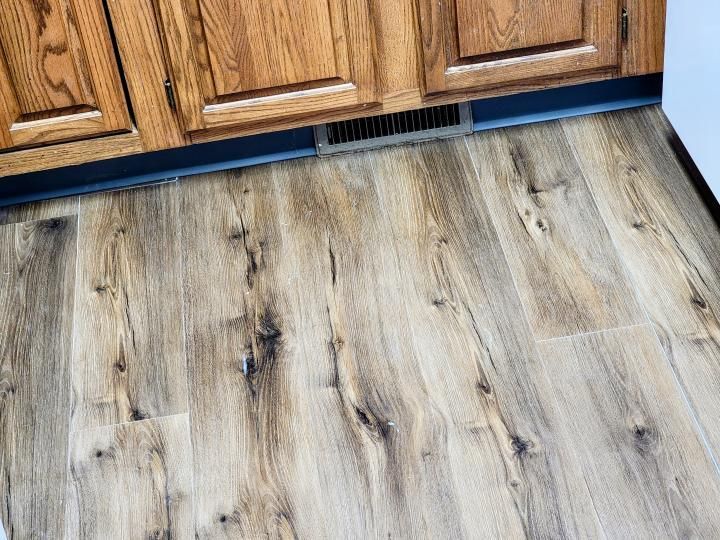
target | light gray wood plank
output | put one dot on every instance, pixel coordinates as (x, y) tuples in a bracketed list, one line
[(36, 308), (131, 481), (129, 363), (230, 493), (476, 352), (568, 273), (276, 451), (649, 473), (48, 209), (668, 239)]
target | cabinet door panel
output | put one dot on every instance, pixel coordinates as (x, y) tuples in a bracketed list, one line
[(256, 45), (478, 43), (58, 76), (493, 26), (240, 61)]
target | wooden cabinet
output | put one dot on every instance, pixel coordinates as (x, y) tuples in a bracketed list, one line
[(204, 70), (58, 76), (244, 61), (484, 43)]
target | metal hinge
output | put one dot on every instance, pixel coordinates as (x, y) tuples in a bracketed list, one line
[(624, 24), (169, 93)]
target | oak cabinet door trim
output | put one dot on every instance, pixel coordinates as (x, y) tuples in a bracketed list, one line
[(63, 46), (204, 103), (447, 70)]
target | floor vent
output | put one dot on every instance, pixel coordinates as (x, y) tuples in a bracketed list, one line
[(395, 128)]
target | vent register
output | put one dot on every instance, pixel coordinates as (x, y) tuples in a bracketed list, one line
[(359, 134)]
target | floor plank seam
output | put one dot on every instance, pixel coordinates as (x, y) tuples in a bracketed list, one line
[(131, 422), (632, 280), (71, 364), (525, 313), (583, 334), (181, 242)]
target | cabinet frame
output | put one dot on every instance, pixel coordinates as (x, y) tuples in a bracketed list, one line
[(444, 72)]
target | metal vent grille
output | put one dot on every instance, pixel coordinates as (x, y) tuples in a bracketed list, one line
[(396, 128)]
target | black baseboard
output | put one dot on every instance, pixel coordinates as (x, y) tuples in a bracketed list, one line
[(257, 149)]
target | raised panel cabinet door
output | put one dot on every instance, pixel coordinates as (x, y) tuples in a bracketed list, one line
[(482, 43), (58, 76), (243, 61)]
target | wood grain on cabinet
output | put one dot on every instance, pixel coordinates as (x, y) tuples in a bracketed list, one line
[(494, 26), (236, 61), (58, 75), (145, 70), (479, 43), (644, 50)]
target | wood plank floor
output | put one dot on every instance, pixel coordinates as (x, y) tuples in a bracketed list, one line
[(508, 335)]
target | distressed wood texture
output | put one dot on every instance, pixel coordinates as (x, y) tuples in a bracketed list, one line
[(644, 50), (287, 267), (275, 447), (40, 210), (493, 444), (568, 273), (492, 26), (67, 154), (129, 361), (131, 481), (645, 464), (144, 67), (37, 275), (667, 237)]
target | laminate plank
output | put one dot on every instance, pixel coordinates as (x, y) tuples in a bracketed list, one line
[(219, 322), (39, 210), (36, 310), (129, 364), (668, 239), (647, 468), (568, 274), (276, 449), (131, 481), (476, 352), (383, 419)]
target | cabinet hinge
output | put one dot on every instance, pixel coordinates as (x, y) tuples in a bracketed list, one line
[(169, 93), (624, 24)]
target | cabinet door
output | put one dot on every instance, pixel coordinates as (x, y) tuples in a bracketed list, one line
[(482, 43), (244, 61), (58, 75)]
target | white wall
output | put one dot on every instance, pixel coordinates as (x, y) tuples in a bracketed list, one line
[(691, 95)]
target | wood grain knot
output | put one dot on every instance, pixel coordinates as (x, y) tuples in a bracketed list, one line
[(643, 438), (136, 415), (521, 447), (57, 224)]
